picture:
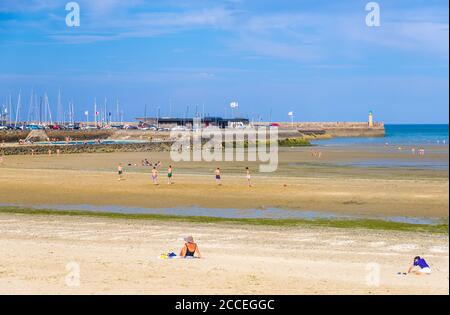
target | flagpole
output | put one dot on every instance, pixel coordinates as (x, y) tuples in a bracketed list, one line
[(291, 114)]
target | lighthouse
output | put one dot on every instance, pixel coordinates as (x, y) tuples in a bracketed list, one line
[(370, 119)]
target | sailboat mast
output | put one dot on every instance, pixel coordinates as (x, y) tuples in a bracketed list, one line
[(117, 111), (59, 114), (105, 117), (95, 111), (30, 106), (17, 111), (48, 109), (9, 110)]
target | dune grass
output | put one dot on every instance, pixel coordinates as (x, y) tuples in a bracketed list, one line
[(371, 224)]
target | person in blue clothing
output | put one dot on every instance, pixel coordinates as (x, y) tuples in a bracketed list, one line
[(419, 267)]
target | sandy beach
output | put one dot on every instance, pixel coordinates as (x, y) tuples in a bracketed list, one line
[(120, 256), (304, 145), (301, 182)]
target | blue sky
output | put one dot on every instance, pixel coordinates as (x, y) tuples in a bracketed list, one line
[(316, 58)]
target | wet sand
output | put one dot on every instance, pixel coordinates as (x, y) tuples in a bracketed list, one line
[(301, 182), (120, 256)]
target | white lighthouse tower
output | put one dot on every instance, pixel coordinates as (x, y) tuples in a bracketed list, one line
[(370, 119)]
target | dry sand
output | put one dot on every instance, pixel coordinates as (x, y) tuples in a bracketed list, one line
[(120, 256)]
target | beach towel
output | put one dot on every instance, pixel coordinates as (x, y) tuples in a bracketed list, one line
[(173, 256), (170, 255)]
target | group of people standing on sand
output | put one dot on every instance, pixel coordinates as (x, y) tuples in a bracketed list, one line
[(217, 173), (155, 175), (316, 154), (120, 172), (420, 151)]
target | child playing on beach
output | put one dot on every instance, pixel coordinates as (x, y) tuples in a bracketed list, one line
[(169, 175), (120, 171), (218, 179), (423, 267), (190, 249), (155, 175), (248, 177)]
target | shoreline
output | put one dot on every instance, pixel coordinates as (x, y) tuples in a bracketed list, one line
[(357, 223)]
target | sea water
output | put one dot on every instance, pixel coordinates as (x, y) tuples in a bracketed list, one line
[(412, 135), (230, 213), (399, 138)]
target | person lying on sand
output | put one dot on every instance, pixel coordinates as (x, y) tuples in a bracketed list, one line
[(190, 249), (419, 267)]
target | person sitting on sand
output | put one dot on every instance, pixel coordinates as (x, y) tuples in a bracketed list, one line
[(423, 267), (190, 248)]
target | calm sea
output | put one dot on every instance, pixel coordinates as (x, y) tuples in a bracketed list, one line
[(398, 135)]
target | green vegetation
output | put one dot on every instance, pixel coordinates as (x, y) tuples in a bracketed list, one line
[(294, 142), (348, 224), (289, 142)]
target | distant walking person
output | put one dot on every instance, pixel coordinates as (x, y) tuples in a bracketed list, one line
[(169, 175), (120, 171), (218, 178), (155, 175), (249, 181)]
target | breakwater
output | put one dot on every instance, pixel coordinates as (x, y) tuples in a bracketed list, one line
[(85, 148), (337, 129)]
